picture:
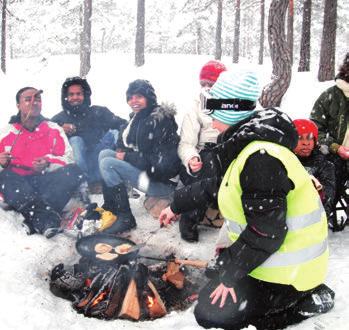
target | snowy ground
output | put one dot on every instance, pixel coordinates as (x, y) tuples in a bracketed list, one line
[(25, 300)]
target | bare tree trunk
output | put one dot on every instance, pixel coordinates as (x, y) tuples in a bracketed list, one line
[(236, 33), (140, 33), (103, 40), (272, 93), (85, 40), (290, 19), (261, 38), (304, 60), (3, 37), (328, 42), (199, 39), (218, 53)]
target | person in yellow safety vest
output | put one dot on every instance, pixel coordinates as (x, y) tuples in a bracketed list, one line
[(273, 249)]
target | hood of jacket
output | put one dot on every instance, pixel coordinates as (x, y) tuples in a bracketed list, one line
[(270, 125), (343, 86), (76, 110), (164, 110)]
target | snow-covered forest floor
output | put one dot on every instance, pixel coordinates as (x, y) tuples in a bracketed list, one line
[(25, 261)]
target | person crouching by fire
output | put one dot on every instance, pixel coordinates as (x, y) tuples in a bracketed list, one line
[(273, 249), (38, 176)]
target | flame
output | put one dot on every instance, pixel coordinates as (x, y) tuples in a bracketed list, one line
[(99, 299), (88, 282), (150, 301)]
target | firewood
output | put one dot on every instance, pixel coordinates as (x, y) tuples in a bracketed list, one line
[(174, 275), (117, 293), (158, 308), (130, 307)]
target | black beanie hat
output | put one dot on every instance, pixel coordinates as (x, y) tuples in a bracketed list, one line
[(142, 87)]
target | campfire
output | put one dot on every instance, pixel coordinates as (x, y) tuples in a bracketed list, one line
[(129, 290)]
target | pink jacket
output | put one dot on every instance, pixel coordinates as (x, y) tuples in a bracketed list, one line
[(47, 140)]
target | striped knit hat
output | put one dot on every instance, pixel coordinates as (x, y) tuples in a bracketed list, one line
[(242, 87)]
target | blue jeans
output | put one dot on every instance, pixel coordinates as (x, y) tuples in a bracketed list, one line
[(87, 158), (115, 171)]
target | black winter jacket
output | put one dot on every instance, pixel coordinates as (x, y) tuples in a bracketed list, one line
[(92, 122), (150, 141), (318, 166), (264, 184)]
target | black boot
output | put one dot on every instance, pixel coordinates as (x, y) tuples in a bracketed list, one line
[(40, 218), (188, 225), (319, 301), (116, 201)]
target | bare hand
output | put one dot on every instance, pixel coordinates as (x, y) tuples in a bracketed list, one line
[(5, 158), (120, 155), (222, 291), (69, 129), (167, 216), (195, 164), (39, 164), (343, 152)]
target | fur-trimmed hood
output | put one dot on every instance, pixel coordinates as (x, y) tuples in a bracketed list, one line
[(164, 110), (343, 86)]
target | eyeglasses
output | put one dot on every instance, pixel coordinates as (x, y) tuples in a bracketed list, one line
[(209, 105)]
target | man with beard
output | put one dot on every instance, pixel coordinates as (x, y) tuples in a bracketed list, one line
[(90, 129), (38, 176), (273, 249)]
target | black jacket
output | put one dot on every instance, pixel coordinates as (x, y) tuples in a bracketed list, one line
[(150, 141), (318, 166), (264, 184), (92, 122)]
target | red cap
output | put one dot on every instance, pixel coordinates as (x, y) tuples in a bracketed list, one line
[(211, 70), (306, 126)]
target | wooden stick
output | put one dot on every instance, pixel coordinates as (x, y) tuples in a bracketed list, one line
[(193, 263)]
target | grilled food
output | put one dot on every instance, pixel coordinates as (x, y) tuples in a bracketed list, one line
[(107, 256), (103, 248), (123, 248)]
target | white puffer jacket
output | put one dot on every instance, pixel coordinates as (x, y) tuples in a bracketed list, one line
[(196, 130)]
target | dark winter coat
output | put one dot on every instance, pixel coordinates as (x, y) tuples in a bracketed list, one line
[(92, 122), (331, 115), (150, 141), (318, 166), (264, 184)]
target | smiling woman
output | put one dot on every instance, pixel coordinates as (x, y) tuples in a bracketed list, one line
[(145, 158)]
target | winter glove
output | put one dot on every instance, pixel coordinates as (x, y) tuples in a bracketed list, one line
[(93, 212)]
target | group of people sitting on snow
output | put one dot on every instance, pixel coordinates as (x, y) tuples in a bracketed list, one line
[(250, 165)]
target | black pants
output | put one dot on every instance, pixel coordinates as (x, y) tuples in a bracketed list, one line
[(208, 170), (262, 304), (53, 188)]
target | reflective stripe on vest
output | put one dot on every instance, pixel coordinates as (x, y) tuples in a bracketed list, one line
[(293, 223)]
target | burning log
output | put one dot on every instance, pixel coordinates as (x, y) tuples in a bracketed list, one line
[(174, 275), (130, 307), (156, 306), (117, 293)]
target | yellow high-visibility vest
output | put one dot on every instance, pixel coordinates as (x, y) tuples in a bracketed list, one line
[(302, 258)]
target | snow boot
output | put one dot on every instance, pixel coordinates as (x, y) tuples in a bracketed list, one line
[(319, 301), (40, 218), (116, 201), (188, 225)]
